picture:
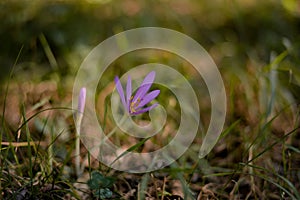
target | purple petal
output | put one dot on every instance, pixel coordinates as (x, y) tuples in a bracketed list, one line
[(128, 92), (81, 99), (145, 109), (145, 86), (148, 98), (120, 91)]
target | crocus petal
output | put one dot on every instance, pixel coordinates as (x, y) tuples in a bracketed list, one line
[(145, 109), (120, 91), (81, 99), (145, 86), (128, 92), (148, 98)]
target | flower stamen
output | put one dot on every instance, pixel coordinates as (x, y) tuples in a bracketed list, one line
[(134, 105)]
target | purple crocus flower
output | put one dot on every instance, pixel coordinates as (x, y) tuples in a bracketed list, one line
[(134, 104)]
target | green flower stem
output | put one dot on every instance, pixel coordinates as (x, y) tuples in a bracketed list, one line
[(77, 144)]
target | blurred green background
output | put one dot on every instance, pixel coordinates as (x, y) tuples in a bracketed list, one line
[(233, 32)]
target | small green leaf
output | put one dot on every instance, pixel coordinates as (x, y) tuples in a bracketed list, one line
[(99, 181), (103, 193)]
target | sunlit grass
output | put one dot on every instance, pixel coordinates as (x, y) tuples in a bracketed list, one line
[(253, 158)]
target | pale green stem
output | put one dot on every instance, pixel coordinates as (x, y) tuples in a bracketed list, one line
[(77, 144)]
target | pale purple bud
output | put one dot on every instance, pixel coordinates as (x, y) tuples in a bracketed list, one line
[(81, 100)]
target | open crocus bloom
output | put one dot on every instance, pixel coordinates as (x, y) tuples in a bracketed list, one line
[(134, 104)]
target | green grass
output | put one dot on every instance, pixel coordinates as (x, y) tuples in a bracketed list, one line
[(256, 47)]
